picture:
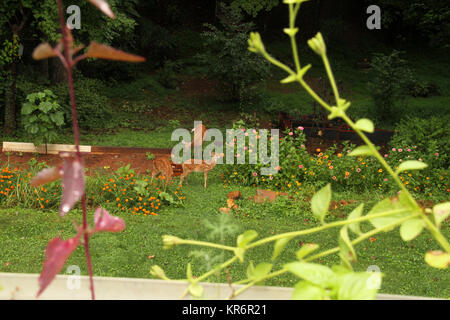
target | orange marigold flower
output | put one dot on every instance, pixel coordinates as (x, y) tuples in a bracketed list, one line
[(372, 239)]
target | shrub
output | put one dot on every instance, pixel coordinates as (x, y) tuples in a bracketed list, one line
[(389, 79), (167, 75), (423, 89), (136, 194), (429, 135), (300, 170), (42, 116), (228, 60)]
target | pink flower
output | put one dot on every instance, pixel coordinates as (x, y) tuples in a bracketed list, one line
[(436, 154), (291, 133), (393, 149), (331, 167), (300, 128), (385, 179), (385, 155), (255, 174), (302, 146), (270, 178), (420, 159), (278, 168), (358, 170), (400, 160), (409, 150), (245, 148), (243, 129), (400, 150), (300, 166), (246, 134), (333, 177)]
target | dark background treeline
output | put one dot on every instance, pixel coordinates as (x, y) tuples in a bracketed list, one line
[(157, 29)]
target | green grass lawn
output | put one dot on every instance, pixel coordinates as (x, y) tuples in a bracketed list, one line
[(24, 234)]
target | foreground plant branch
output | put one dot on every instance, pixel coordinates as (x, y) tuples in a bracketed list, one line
[(72, 170), (320, 282)]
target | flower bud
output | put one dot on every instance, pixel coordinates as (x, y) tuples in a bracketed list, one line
[(318, 45), (157, 272), (170, 241), (255, 43)]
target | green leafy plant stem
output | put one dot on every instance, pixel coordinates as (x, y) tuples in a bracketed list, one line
[(292, 16), (292, 13), (323, 253), (210, 273)]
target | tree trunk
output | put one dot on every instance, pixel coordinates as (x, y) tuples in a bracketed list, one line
[(45, 69), (10, 102), (58, 73)]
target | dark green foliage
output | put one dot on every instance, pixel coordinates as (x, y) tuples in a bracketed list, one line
[(167, 75), (389, 78), (93, 108), (138, 88), (417, 20), (228, 60), (42, 116), (423, 89)]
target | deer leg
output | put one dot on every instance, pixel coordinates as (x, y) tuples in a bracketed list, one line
[(181, 179), (206, 177)]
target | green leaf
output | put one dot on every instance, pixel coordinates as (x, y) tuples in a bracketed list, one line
[(305, 290), (306, 249), (314, 273), (400, 202), (347, 252), (279, 246), (245, 238), (32, 118), (290, 31), (365, 125), (355, 286), (196, 290), (356, 213), (441, 212), (33, 129), (57, 118), (411, 165), (438, 259), (250, 270), (45, 106), (320, 202), (289, 79), (27, 108), (44, 118), (411, 229), (260, 271), (361, 151)]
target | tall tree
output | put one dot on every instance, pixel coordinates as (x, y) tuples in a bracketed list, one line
[(13, 16)]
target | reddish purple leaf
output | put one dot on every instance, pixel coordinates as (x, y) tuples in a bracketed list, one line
[(73, 184), (104, 7), (106, 222), (43, 51), (56, 255), (102, 51), (47, 175)]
